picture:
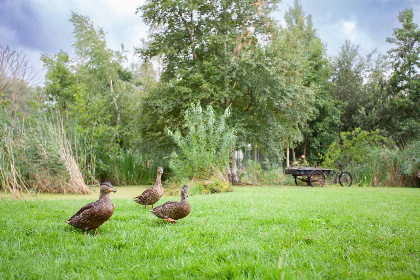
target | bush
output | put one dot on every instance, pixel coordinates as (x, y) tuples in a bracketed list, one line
[(389, 167), (209, 187), (253, 173), (206, 146), (354, 146), (374, 161)]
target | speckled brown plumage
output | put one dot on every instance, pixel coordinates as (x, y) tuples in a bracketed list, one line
[(172, 211), (152, 194), (94, 214)]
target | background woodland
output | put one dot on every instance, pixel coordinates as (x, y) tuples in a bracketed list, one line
[(221, 92)]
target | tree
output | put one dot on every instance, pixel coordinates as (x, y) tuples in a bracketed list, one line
[(94, 90), (324, 124), (16, 77), (60, 80), (373, 112), (405, 55), (225, 53), (405, 79), (348, 74)]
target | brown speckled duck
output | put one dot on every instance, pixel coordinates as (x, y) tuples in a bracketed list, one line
[(172, 211), (94, 214), (152, 194)]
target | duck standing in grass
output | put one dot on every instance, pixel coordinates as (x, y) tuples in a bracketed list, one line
[(94, 214), (152, 194), (172, 211)]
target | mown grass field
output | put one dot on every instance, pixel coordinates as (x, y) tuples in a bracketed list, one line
[(252, 233)]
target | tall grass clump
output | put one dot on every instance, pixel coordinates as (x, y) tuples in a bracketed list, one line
[(374, 161), (252, 173), (36, 155), (205, 147), (11, 178), (134, 169), (399, 167)]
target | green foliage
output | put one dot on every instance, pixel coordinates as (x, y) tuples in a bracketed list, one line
[(253, 173), (209, 187), (96, 93), (353, 146), (60, 83), (388, 167), (404, 124), (406, 54), (277, 84), (207, 143), (411, 160), (253, 233), (323, 125), (374, 161), (133, 168), (226, 57), (36, 155), (349, 67)]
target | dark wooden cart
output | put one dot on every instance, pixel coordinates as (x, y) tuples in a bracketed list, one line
[(310, 175)]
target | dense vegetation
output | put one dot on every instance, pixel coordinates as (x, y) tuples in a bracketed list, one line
[(255, 233), (118, 120)]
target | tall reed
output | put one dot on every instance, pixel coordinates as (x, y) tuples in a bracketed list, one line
[(388, 167), (36, 154), (134, 169)]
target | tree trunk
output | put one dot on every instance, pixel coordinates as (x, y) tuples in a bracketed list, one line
[(293, 155), (118, 121), (256, 153), (287, 156), (234, 178)]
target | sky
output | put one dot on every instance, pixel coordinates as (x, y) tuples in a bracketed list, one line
[(36, 27)]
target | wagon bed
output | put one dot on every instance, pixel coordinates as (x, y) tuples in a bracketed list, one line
[(310, 175)]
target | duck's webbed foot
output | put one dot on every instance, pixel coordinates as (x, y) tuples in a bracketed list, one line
[(96, 231), (170, 220)]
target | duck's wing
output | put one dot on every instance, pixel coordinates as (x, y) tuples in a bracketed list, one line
[(145, 195), (83, 209), (165, 210)]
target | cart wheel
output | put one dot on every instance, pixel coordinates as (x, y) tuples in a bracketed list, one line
[(345, 179), (317, 178)]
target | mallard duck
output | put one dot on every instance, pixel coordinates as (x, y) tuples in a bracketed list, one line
[(152, 194), (94, 214), (174, 210)]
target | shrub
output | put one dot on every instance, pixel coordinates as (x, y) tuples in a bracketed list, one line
[(374, 161), (207, 144), (209, 187), (253, 173), (353, 146)]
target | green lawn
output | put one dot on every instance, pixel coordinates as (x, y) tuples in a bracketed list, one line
[(254, 232)]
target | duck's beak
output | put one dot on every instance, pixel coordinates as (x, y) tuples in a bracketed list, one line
[(113, 190)]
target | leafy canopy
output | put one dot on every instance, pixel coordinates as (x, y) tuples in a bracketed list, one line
[(227, 53)]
